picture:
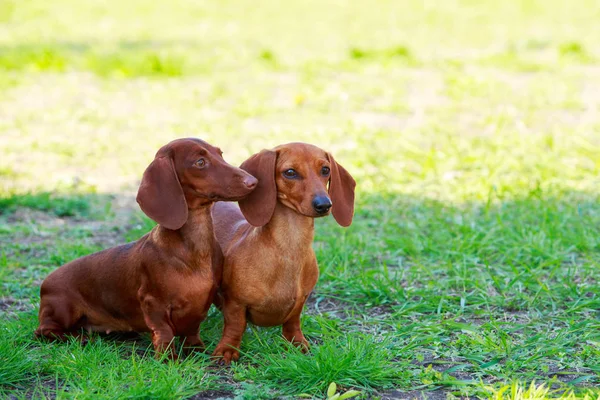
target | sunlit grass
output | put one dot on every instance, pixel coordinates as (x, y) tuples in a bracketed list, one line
[(519, 391)]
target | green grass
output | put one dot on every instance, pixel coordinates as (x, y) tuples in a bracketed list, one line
[(17, 363), (71, 369), (353, 360), (471, 128)]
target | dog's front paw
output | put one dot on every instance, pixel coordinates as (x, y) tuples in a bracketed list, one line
[(301, 344), (225, 353), (298, 340)]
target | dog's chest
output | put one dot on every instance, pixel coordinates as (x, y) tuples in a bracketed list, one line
[(272, 310), (278, 295), (198, 273)]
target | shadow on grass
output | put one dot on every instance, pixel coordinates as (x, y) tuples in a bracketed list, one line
[(400, 248), (82, 205), (403, 253)]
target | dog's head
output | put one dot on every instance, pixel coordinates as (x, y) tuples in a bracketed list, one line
[(187, 173), (302, 177)]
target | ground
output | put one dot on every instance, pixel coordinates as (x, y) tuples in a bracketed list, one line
[(471, 127)]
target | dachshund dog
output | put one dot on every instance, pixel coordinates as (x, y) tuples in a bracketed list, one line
[(270, 267), (165, 282)]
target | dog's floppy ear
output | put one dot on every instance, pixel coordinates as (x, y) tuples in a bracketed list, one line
[(341, 190), (160, 195), (258, 207)]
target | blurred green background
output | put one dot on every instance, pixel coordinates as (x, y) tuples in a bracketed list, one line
[(403, 92), (471, 127)]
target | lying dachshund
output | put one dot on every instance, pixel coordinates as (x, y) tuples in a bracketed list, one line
[(270, 267), (165, 282)]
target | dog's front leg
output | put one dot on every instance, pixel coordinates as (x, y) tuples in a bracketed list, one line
[(291, 329), (235, 324), (157, 317)]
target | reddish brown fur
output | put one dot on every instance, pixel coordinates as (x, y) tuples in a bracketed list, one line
[(164, 282), (270, 267)]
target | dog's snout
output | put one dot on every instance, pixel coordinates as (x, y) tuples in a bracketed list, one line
[(250, 182), (321, 204)]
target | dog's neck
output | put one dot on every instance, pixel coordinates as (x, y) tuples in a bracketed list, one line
[(194, 201), (199, 226), (290, 231), (197, 232)]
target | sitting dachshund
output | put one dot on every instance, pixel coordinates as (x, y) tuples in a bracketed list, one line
[(163, 283), (270, 267)]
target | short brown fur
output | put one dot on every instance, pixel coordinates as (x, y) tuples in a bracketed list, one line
[(164, 282), (270, 267)]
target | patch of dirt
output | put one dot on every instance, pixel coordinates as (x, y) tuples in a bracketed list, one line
[(443, 366), (9, 305), (565, 376), (212, 394), (380, 311), (30, 216), (105, 234), (49, 391), (317, 305), (224, 381), (517, 317), (320, 305), (513, 317)]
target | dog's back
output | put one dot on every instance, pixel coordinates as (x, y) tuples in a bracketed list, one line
[(95, 292)]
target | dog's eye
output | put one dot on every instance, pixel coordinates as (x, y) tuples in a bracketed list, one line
[(201, 163), (325, 171), (290, 173)]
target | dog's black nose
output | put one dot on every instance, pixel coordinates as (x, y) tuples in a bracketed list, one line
[(321, 204)]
